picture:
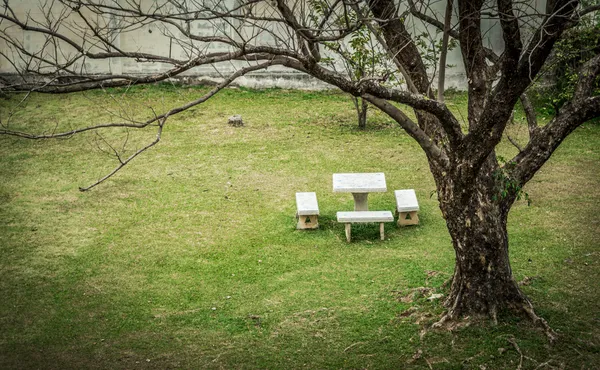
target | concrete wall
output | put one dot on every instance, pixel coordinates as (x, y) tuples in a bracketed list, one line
[(164, 41)]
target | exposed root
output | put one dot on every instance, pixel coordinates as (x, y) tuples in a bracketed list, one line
[(523, 357), (447, 283), (450, 323), (518, 302), (467, 360), (514, 343), (442, 322), (551, 334), (450, 320), (544, 364), (428, 363), (494, 315)]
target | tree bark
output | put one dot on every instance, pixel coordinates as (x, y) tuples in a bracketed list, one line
[(482, 281), (476, 215), (444, 52), (361, 106), (361, 110)]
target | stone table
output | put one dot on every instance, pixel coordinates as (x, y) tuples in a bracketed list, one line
[(360, 185)]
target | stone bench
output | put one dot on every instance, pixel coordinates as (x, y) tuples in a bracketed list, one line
[(364, 216), (407, 207), (307, 211)]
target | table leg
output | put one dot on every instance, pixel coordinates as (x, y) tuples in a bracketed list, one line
[(361, 203)]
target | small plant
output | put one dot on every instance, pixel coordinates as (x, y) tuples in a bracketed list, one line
[(506, 185)]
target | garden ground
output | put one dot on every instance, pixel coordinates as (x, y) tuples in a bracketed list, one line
[(189, 257)]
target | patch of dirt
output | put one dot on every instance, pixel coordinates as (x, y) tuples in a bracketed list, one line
[(414, 294), (528, 280)]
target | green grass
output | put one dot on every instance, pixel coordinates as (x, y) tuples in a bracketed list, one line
[(189, 257)]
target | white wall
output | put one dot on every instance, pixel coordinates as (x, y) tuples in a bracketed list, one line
[(163, 41)]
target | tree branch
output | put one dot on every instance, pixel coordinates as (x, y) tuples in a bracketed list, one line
[(409, 82), (138, 125), (446, 119), (544, 140), (514, 143), (589, 9), (400, 43), (482, 139), (444, 53), (161, 119), (511, 33), (123, 163), (410, 127), (473, 58), (489, 53), (530, 114)]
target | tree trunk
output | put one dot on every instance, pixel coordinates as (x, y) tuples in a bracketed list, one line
[(361, 106), (482, 281), (476, 217)]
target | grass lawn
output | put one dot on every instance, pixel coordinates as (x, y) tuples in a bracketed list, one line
[(189, 257)]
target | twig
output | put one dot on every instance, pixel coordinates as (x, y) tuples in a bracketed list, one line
[(125, 162), (472, 357), (544, 364), (428, 364), (352, 345), (513, 142), (218, 356)]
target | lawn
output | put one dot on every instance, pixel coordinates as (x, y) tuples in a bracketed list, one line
[(189, 257)]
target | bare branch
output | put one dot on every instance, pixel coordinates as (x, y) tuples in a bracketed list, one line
[(400, 43), (444, 52), (411, 128), (389, 52), (138, 125), (530, 114), (473, 58), (487, 134), (489, 53), (129, 159), (514, 143), (511, 33), (589, 9), (545, 140)]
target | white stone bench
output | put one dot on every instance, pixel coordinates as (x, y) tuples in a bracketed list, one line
[(364, 216), (407, 207), (308, 211)]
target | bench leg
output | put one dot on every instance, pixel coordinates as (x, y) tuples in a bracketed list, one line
[(349, 232), (382, 231), (307, 222), (408, 218)]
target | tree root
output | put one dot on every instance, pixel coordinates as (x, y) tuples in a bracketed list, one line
[(538, 321), (523, 357), (516, 346), (442, 322), (450, 320)]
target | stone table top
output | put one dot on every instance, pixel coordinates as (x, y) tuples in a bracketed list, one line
[(359, 182)]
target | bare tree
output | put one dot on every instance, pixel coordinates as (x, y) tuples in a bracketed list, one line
[(474, 189)]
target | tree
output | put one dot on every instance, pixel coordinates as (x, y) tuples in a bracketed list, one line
[(474, 189), (556, 82), (361, 60)]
